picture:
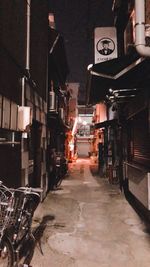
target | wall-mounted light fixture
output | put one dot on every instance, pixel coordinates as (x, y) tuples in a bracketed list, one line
[(89, 67)]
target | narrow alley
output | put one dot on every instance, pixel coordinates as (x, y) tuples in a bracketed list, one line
[(74, 133), (88, 222)]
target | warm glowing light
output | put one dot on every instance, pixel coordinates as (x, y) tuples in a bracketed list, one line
[(51, 20), (84, 123), (74, 126), (71, 145), (79, 119)]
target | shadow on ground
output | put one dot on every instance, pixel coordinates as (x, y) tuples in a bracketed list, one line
[(39, 231)]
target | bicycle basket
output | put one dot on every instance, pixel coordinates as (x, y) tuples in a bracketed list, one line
[(6, 207)]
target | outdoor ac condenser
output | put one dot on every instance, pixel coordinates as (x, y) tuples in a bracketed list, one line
[(24, 117)]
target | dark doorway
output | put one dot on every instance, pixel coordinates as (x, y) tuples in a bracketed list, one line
[(35, 154), (10, 158)]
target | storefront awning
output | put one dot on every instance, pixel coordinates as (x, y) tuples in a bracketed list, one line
[(58, 66), (129, 71), (105, 124)]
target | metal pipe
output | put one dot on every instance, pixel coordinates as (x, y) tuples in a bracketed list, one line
[(23, 90), (140, 32), (111, 91), (28, 35), (124, 96)]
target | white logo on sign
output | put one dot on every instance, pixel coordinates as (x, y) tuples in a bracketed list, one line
[(105, 46)]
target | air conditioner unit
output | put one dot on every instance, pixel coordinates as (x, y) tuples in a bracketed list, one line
[(52, 101), (24, 117)]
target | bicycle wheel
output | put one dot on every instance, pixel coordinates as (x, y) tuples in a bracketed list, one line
[(27, 251), (6, 253), (58, 178), (58, 182)]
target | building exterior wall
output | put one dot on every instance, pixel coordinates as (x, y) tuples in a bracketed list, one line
[(13, 31), (12, 47), (134, 117), (39, 45), (39, 113)]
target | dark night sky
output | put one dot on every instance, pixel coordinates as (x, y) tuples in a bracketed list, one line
[(76, 20)]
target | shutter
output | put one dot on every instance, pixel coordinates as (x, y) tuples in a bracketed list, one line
[(141, 138)]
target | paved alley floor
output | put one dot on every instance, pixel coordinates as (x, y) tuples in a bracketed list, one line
[(89, 223)]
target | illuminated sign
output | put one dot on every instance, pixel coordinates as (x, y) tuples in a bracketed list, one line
[(105, 44)]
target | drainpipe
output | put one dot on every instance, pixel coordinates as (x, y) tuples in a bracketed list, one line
[(28, 35), (23, 91), (140, 34), (27, 63)]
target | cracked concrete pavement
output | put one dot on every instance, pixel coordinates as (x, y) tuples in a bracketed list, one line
[(89, 223)]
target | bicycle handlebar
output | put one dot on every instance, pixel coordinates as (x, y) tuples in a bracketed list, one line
[(23, 188), (30, 189)]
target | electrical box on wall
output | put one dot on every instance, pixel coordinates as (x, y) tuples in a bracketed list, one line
[(24, 117), (52, 101)]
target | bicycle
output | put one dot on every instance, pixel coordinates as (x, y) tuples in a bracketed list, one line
[(58, 172), (61, 169), (17, 242)]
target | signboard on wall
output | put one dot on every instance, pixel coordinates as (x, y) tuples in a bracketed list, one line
[(105, 44)]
